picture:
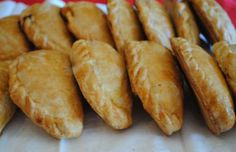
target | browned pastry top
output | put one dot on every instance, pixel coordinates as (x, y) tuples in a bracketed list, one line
[(44, 26), (87, 21), (12, 40), (215, 20)]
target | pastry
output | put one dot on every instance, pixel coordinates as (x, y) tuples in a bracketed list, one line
[(207, 83), (183, 19), (156, 22), (12, 40), (42, 85), (101, 75), (86, 21), (225, 56), (7, 108), (124, 23), (44, 27), (215, 20), (155, 79)]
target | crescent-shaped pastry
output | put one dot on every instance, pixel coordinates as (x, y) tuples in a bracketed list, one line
[(42, 85), (45, 28), (184, 20), (12, 40), (101, 75), (215, 20), (156, 22), (124, 23), (86, 21), (154, 78), (207, 83), (225, 56)]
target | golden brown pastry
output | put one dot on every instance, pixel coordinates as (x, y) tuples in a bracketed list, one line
[(42, 85), (7, 108), (101, 74), (44, 27), (207, 83), (124, 23), (12, 40), (86, 21), (215, 20), (225, 56), (184, 20), (155, 21), (155, 79)]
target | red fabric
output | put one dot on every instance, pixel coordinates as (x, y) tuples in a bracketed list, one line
[(228, 5)]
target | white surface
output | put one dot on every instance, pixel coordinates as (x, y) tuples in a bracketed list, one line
[(21, 135)]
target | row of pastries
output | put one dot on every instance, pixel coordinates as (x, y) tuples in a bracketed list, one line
[(48, 55)]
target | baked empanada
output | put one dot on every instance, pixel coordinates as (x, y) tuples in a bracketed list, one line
[(45, 28), (7, 108), (183, 19), (101, 74), (86, 21), (225, 56), (124, 23), (12, 40), (207, 83), (155, 79), (156, 22), (42, 85), (215, 20)]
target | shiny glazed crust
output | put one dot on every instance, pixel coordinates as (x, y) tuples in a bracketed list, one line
[(208, 84), (124, 23), (42, 85), (101, 74), (155, 79), (12, 41), (86, 21), (45, 28), (216, 20), (225, 56), (155, 21), (7, 108)]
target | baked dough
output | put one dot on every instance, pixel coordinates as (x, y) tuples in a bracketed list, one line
[(184, 20), (156, 22), (101, 74), (225, 56), (86, 21), (45, 28), (155, 79), (207, 83), (216, 20), (12, 40), (124, 23), (42, 85), (7, 108)]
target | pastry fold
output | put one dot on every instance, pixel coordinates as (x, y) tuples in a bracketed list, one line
[(101, 75), (45, 28), (86, 21), (124, 23), (154, 78), (225, 56), (208, 84), (42, 85), (184, 20), (215, 20), (156, 22)]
